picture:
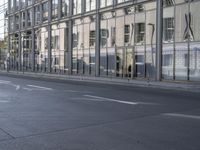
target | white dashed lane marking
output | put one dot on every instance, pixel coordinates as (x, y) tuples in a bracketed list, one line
[(40, 87), (111, 100), (182, 115), (119, 101)]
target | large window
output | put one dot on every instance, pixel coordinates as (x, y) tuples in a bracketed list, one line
[(29, 17), (90, 5), (17, 5), (30, 2), (140, 33), (12, 5), (168, 29), (23, 19), (65, 7), (105, 3), (45, 8), (37, 15), (126, 34), (11, 18), (17, 23), (77, 7), (121, 1), (54, 9), (23, 3), (92, 38)]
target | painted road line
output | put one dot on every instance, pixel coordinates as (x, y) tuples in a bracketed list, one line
[(112, 100), (27, 89), (40, 87), (88, 99), (17, 87), (4, 81), (74, 91), (182, 115)]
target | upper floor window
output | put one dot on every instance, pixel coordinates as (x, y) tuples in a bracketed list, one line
[(23, 3), (30, 2), (45, 8), (92, 38), (168, 29), (77, 7), (17, 24), (23, 20), (11, 23), (168, 2), (90, 5), (11, 5), (121, 1), (65, 7), (140, 33), (17, 5), (139, 8), (104, 33), (126, 33), (29, 17), (54, 9), (105, 3), (37, 14)]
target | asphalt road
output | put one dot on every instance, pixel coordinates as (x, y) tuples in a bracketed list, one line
[(46, 115)]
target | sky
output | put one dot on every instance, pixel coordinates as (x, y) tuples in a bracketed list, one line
[(2, 2)]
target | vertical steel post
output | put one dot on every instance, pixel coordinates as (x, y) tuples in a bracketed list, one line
[(49, 35), (97, 47), (159, 38), (33, 41), (8, 51), (70, 39)]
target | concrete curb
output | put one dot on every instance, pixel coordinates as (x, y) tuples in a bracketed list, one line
[(175, 85)]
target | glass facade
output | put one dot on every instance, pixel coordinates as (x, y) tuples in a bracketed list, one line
[(83, 53), (108, 38), (180, 41)]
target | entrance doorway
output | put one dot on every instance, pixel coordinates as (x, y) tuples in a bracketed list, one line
[(124, 62)]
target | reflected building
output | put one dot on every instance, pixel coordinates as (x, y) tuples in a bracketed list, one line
[(106, 38)]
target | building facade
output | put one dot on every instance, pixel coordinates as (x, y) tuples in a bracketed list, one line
[(106, 38)]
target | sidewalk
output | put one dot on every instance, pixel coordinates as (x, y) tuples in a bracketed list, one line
[(174, 85)]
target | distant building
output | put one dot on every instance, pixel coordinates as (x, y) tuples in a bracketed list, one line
[(108, 38)]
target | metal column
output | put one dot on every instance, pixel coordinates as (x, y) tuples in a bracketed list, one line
[(159, 38), (97, 47), (33, 40), (70, 39), (8, 51), (49, 36)]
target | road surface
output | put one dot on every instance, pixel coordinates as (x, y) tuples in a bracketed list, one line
[(69, 115)]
